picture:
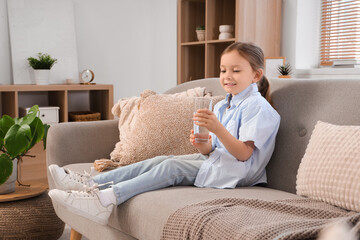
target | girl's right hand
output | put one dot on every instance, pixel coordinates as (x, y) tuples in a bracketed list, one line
[(204, 148)]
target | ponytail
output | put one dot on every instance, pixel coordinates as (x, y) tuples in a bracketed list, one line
[(264, 88)]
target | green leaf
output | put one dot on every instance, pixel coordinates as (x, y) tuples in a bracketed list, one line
[(6, 167), (17, 139), (44, 61), (5, 124), (37, 132), (30, 116), (46, 129)]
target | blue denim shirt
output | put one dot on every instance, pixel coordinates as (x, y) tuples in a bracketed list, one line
[(249, 118)]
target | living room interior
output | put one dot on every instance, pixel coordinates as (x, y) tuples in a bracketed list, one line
[(136, 45)]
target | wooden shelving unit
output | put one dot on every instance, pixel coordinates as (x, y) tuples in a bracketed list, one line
[(258, 22), (100, 98), (199, 59)]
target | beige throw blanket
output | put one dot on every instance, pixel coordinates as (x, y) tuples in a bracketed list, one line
[(235, 218)]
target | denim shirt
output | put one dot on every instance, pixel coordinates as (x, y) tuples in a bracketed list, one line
[(249, 118)]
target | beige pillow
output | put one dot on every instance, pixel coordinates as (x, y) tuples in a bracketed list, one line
[(330, 168), (162, 127), (126, 109)]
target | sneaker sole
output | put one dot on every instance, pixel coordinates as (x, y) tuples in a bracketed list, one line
[(77, 211)]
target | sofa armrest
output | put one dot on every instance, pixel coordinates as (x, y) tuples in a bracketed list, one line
[(81, 142)]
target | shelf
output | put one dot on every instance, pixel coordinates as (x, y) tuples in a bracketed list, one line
[(193, 65), (219, 12), (192, 15), (98, 98), (230, 40), (198, 59), (193, 43)]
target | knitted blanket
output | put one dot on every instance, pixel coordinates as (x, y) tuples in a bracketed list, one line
[(235, 218)]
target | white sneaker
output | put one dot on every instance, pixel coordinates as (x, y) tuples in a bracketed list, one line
[(84, 203), (65, 179)]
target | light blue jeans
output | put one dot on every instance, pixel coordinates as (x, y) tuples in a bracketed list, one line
[(152, 174)]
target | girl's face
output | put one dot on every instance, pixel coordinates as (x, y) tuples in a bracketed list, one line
[(236, 73)]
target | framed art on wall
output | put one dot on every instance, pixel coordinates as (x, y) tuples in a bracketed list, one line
[(47, 27), (271, 66)]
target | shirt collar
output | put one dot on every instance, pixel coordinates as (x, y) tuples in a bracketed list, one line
[(238, 98)]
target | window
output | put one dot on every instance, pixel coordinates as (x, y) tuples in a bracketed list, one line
[(340, 32)]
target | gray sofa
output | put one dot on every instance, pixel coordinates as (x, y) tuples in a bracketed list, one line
[(301, 103)]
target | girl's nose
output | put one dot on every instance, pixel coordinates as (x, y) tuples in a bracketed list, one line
[(227, 75)]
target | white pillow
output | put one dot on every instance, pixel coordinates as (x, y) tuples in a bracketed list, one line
[(330, 168)]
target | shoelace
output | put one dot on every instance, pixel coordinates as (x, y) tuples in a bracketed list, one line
[(90, 191), (79, 177)]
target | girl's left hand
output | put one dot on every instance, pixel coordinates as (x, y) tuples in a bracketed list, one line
[(206, 118)]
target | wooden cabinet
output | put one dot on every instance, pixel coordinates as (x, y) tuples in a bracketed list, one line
[(98, 98), (256, 21)]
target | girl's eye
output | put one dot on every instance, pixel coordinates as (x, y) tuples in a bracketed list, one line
[(222, 71), (236, 70)]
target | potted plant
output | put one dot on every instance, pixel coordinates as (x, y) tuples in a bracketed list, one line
[(17, 137), (42, 65), (200, 33), (285, 70)]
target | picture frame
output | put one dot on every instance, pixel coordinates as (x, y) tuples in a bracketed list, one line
[(271, 66)]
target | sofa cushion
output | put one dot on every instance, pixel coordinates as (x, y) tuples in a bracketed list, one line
[(330, 168), (163, 125), (144, 215), (126, 109)]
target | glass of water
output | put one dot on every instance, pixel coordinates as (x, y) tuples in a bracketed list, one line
[(201, 133)]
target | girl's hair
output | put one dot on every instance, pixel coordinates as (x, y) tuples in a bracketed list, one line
[(255, 56)]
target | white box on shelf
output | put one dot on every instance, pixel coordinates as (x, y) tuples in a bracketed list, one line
[(47, 115)]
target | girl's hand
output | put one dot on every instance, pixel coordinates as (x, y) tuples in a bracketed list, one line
[(204, 148), (207, 119)]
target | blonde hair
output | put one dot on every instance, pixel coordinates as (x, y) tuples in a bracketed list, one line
[(255, 56)]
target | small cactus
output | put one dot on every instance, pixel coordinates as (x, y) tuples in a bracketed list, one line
[(285, 70)]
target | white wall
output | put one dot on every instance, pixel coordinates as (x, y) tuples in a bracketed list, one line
[(301, 32), (129, 43), (5, 61)]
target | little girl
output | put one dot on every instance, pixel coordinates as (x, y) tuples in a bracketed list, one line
[(242, 129)]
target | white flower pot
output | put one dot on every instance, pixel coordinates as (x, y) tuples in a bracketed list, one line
[(200, 35), (9, 185), (42, 76)]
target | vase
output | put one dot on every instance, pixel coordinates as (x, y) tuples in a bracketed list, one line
[(226, 32), (42, 76), (9, 185), (200, 35)]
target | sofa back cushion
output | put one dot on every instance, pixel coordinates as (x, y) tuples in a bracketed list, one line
[(301, 103)]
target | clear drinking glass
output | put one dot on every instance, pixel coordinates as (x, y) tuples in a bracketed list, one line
[(201, 133)]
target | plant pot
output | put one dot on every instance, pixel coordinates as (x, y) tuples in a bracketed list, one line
[(200, 35), (284, 76), (9, 185), (42, 76)]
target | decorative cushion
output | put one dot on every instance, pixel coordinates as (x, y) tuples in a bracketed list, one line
[(330, 168), (126, 109), (162, 127)]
